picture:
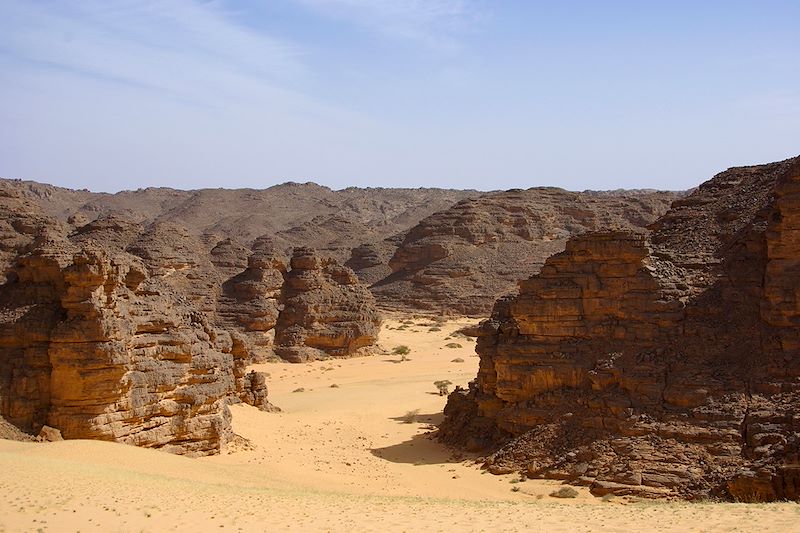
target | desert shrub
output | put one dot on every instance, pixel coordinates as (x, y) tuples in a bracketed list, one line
[(514, 489), (334, 386), (457, 360), (301, 389), (435, 328), (443, 385), (410, 417), (565, 492), (453, 345), (401, 350)]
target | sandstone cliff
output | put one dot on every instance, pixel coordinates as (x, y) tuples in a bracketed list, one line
[(326, 312), (143, 333), (661, 364), (461, 259), (96, 344)]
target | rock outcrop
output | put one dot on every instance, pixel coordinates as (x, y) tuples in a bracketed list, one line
[(655, 364), (462, 259), (97, 343), (250, 302), (112, 355), (326, 311)]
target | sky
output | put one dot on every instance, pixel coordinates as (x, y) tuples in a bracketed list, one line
[(483, 94)]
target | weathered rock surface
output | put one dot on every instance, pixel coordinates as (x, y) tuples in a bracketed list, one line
[(292, 214), (462, 259), (250, 302), (98, 343), (326, 312), (370, 261), (660, 364)]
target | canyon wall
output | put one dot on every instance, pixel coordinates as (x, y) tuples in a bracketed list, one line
[(461, 259), (117, 331), (654, 364)]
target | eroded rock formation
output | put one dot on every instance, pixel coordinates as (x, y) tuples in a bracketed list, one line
[(660, 364), (327, 312), (250, 302), (462, 259), (97, 344), (143, 334)]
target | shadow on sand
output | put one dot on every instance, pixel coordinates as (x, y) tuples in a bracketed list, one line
[(420, 449)]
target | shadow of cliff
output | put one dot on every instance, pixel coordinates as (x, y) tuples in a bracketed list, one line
[(420, 449), (431, 418)]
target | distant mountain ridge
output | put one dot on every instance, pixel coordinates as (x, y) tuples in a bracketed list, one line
[(419, 249)]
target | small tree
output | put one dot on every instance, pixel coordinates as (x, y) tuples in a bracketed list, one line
[(444, 386)]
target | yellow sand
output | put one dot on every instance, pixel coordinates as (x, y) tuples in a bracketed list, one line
[(337, 458)]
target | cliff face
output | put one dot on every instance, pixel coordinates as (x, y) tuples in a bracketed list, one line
[(326, 311), (460, 260), (143, 334), (661, 364), (91, 346)]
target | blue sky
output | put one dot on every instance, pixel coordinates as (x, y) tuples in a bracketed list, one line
[(486, 94)]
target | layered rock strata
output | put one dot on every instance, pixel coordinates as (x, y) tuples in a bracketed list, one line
[(95, 344), (460, 260), (665, 364), (326, 311), (144, 334)]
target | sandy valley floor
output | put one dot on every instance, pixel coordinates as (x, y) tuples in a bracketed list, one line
[(339, 457)]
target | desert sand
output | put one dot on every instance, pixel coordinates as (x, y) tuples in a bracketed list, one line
[(341, 456)]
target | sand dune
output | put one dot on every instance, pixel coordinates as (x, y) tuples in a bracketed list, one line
[(337, 458)]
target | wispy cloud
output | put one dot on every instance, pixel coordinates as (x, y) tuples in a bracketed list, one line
[(173, 91), (430, 22), (189, 49)]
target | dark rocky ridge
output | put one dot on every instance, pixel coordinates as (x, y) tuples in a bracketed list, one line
[(290, 214), (462, 259), (660, 364), (420, 249)]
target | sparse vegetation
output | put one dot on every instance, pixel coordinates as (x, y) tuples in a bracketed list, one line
[(453, 345), (410, 417), (457, 360), (334, 386), (443, 385), (300, 389), (401, 350), (565, 492), (435, 328)]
